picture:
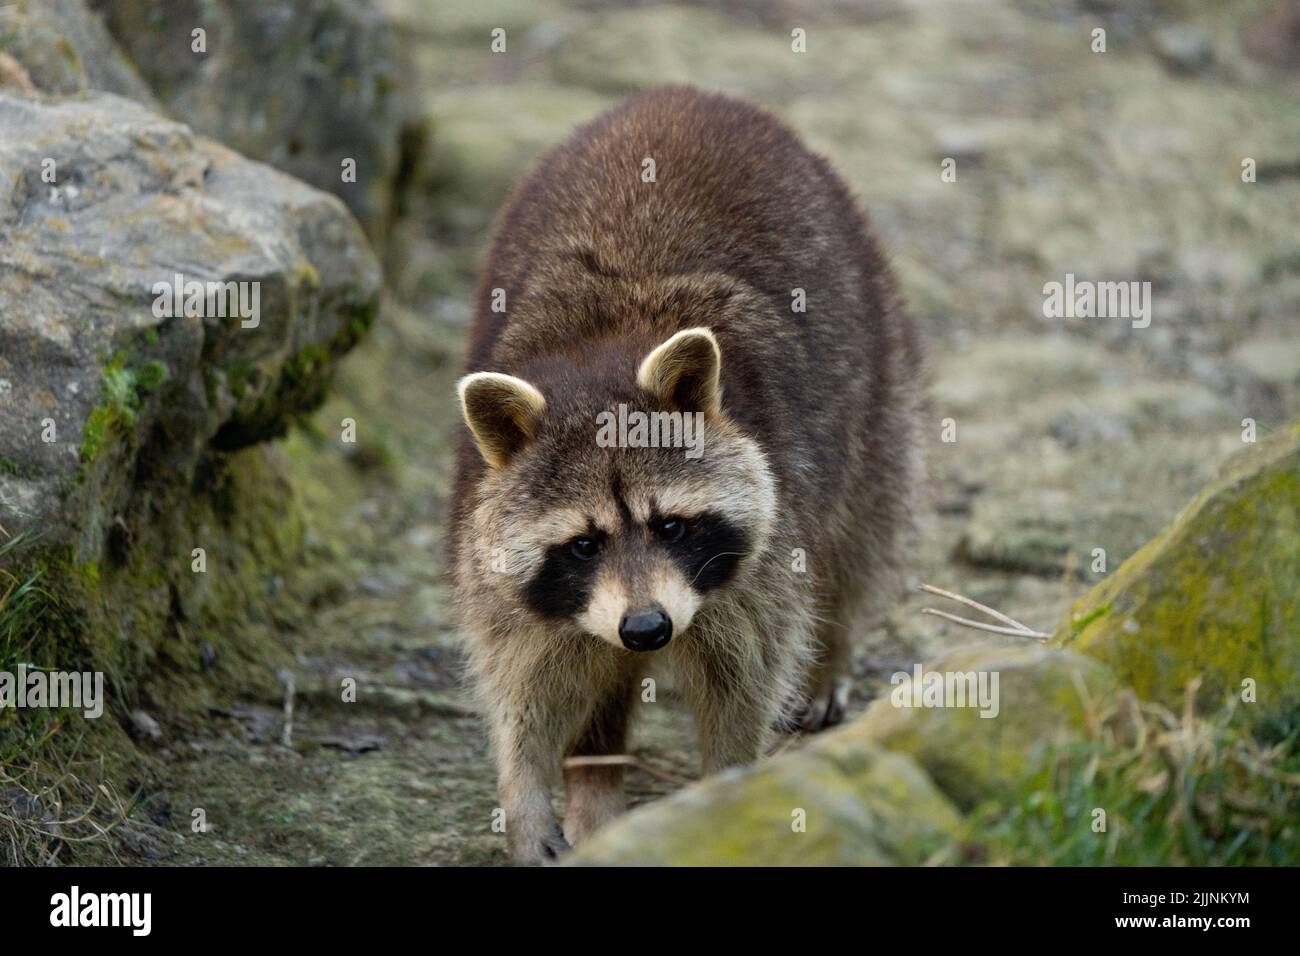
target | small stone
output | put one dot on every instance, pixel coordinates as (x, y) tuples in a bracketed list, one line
[(20, 804), (1183, 49), (355, 744), (145, 727)]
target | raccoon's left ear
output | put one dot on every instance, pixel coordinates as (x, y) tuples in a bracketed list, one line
[(684, 372), (502, 413)]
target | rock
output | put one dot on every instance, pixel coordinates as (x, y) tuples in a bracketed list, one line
[(21, 804), (304, 85), (888, 788), (1214, 597), (1274, 360), (82, 37), (101, 389), (861, 806), (1006, 537), (1182, 49), (1273, 36), (1041, 700), (1076, 427), (968, 143), (63, 47), (1052, 532), (14, 76), (354, 744), (145, 727), (46, 60)]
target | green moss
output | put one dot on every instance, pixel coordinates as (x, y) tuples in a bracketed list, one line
[(303, 383), (306, 275), (99, 425), (123, 391), (90, 573), (151, 377), (239, 377), (119, 393)]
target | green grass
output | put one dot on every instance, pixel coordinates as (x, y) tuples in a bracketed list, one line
[(1176, 789), (22, 605), (50, 802)]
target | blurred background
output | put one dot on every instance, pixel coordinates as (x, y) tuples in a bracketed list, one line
[(1072, 434)]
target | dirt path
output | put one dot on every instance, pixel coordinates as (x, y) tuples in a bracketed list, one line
[(1071, 436)]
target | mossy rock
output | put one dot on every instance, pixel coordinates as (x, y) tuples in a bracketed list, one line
[(838, 802), (1215, 597), (305, 85), (100, 400), (1043, 699), (132, 435)]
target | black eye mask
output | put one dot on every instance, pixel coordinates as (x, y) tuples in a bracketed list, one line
[(710, 551)]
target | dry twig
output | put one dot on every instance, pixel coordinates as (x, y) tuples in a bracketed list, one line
[(625, 760), (1013, 627)]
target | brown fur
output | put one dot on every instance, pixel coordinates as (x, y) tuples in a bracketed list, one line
[(815, 445)]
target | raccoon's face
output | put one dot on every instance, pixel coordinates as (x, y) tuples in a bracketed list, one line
[(582, 520)]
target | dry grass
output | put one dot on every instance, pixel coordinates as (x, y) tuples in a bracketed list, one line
[(48, 808), (1176, 788)]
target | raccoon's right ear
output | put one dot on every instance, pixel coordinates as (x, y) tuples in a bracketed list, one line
[(502, 413)]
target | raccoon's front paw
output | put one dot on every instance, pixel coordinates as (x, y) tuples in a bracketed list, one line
[(542, 848)]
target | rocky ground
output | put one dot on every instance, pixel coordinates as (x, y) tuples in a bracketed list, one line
[(1071, 434)]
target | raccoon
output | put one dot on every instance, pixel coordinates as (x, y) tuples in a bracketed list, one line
[(682, 255)]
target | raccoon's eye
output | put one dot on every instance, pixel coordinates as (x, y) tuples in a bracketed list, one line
[(669, 530), (584, 549)]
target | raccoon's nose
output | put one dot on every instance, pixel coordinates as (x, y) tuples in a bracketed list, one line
[(645, 630)]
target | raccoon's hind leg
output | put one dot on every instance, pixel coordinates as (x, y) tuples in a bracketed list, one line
[(594, 794), (826, 688)]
